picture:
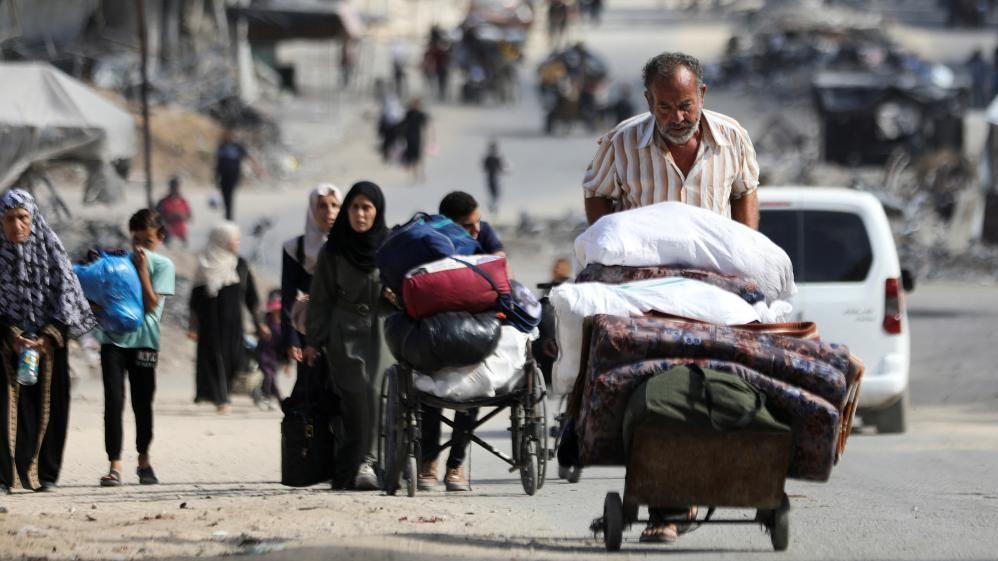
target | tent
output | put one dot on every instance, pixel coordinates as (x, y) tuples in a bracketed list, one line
[(46, 115)]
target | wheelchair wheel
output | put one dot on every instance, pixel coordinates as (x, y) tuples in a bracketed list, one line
[(411, 475), (394, 422), (530, 468), (537, 417)]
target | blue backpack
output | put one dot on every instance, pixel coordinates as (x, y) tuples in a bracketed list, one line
[(112, 283), (421, 240)]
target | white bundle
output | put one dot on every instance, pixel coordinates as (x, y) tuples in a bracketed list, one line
[(682, 235), (500, 373), (676, 296)]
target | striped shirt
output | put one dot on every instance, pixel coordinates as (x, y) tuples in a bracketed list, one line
[(634, 168)]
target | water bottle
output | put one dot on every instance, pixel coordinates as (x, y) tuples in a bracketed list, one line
[(27, 367)]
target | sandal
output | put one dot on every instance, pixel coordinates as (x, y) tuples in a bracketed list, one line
[(660, 532), (112, 479), (146, 476)]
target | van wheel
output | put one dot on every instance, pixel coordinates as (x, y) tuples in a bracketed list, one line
[(894, 419)]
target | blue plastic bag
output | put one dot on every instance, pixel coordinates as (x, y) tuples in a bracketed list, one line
[(112, 283)]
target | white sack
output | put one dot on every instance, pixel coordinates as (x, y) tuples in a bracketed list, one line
[(677, 296), (682, 235), (498, 374)]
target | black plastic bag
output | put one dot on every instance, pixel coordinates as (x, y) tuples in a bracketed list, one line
[(446, 340)]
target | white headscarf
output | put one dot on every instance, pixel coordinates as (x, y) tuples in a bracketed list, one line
[(315, 238), (217, 263)]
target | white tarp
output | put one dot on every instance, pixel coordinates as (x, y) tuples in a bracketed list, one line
[(47, 115)]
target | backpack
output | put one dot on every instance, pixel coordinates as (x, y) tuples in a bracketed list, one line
[(421, 240)]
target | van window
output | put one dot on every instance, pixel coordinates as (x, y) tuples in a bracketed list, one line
[(824, 246)]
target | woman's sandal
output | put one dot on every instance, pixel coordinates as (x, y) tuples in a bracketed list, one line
[(146, 476), (112, 479)]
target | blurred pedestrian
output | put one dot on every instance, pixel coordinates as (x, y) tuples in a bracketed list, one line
[(344, 321), (228, 168), (400, 59), (270, 354), (176, 212), (223, 285), (348, 60), (494, 165), (416, 131), (437, 61), (623, 108), (980, 78), (389, 122), (561, 271), (299, 257), (42, 307), (594, 11), (558, 14), (135, 354)]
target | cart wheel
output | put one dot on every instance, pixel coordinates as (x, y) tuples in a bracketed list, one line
[(411, 475), (779, 531), (613, 520), (529, 473)]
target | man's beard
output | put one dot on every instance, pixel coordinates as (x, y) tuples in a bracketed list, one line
[(683, 137)]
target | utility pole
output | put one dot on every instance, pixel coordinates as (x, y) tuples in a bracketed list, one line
[(140, 6)]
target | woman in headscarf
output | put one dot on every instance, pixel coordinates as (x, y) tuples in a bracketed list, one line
[(223, 284), (41, 307), (344, 320), (298, 262)]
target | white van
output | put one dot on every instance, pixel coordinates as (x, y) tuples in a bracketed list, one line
[(850, 283)]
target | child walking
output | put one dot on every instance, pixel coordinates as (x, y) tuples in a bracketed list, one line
[(136, 353)]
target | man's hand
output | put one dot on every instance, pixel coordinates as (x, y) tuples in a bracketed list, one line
[(294, 354)]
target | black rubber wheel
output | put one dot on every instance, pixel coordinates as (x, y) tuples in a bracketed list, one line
[(382, 428), (411, 475), (530, 470), (539, 415), (779, 530), (613, 520), (395, 441)]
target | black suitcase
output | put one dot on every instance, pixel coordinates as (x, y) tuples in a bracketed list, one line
[(308, 429), (306, 447)]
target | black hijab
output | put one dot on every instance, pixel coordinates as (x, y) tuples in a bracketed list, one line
[(359, 247)]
